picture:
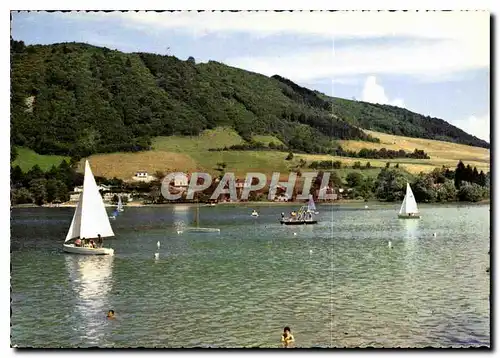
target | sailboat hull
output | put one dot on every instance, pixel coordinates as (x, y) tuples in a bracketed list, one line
[(406, 216), (87, 250), (201, 229)]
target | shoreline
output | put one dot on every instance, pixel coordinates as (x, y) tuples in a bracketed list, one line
[(252, 203)]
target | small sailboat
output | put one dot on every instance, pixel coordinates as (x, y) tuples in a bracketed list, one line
[(255, 213), (197, 228), (120, 204), (90, 222), (409, 209)]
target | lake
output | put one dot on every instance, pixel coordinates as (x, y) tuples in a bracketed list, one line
[(336, 284)]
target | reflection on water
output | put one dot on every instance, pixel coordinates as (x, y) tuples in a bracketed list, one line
[(242, 286), (91, 282)]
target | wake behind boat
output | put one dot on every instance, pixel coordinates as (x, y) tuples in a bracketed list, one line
[(409, 209), (90, 224)]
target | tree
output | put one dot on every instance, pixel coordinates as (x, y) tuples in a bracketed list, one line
[(470, 192), (390, 185), (21, 196), (368, 165), (34, 173), (16, 176), (51, 188), (459, 174), (13, 153), (335, 181), (191, 60), (38, 191), (356, 165), (289, 156), (387, 165), (354, 179), (447, 191), (365, 189), (423, 189), (481, 179)]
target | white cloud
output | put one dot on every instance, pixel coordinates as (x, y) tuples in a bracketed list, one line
[(478, 126), (347, 24), (375, 93), (460, 40), (424, 60)]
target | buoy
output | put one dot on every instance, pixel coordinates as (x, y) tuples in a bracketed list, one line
[(366, 206), (434, 235), (390, 244), (158, 245), (157, 255), (294, 234), (310, 252)]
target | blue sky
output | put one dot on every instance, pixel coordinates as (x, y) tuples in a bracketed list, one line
[(432, 63)]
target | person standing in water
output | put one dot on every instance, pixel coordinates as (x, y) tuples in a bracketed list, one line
[(287, 338)]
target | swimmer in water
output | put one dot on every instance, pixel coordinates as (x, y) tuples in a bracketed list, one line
[(111, 314), (287, 338)]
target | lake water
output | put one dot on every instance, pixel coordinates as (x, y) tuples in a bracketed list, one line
[(336, 284)]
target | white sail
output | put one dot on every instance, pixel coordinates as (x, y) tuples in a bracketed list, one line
[(74, 229), (120, 204), (90, 217), (311, 206), (409, 205)]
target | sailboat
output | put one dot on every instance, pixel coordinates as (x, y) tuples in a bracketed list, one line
[(255, 213), (197, 228), (311, 207), (89, 221), (409, 209), (120, 204)]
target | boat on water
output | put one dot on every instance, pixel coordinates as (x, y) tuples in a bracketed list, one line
[(197, 228), (255, 213), (409, 209), (302, 217), (90, 224), (119, 207)]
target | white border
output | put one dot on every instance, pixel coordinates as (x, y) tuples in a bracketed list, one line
[(181, 5)]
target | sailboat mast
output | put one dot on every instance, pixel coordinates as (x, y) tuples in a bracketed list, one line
[(198, 214)]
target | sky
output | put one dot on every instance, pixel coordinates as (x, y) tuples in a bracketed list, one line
[(433, 63)]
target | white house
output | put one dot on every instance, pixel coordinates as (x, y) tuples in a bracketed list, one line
[(142, 175)]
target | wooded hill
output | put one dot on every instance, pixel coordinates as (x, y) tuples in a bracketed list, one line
[(76, 99)]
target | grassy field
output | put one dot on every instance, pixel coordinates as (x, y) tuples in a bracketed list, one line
[(441, 153), (266, 139), (26, 159), (190, 154)]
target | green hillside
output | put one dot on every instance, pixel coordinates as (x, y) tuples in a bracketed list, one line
[(76, 100)]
